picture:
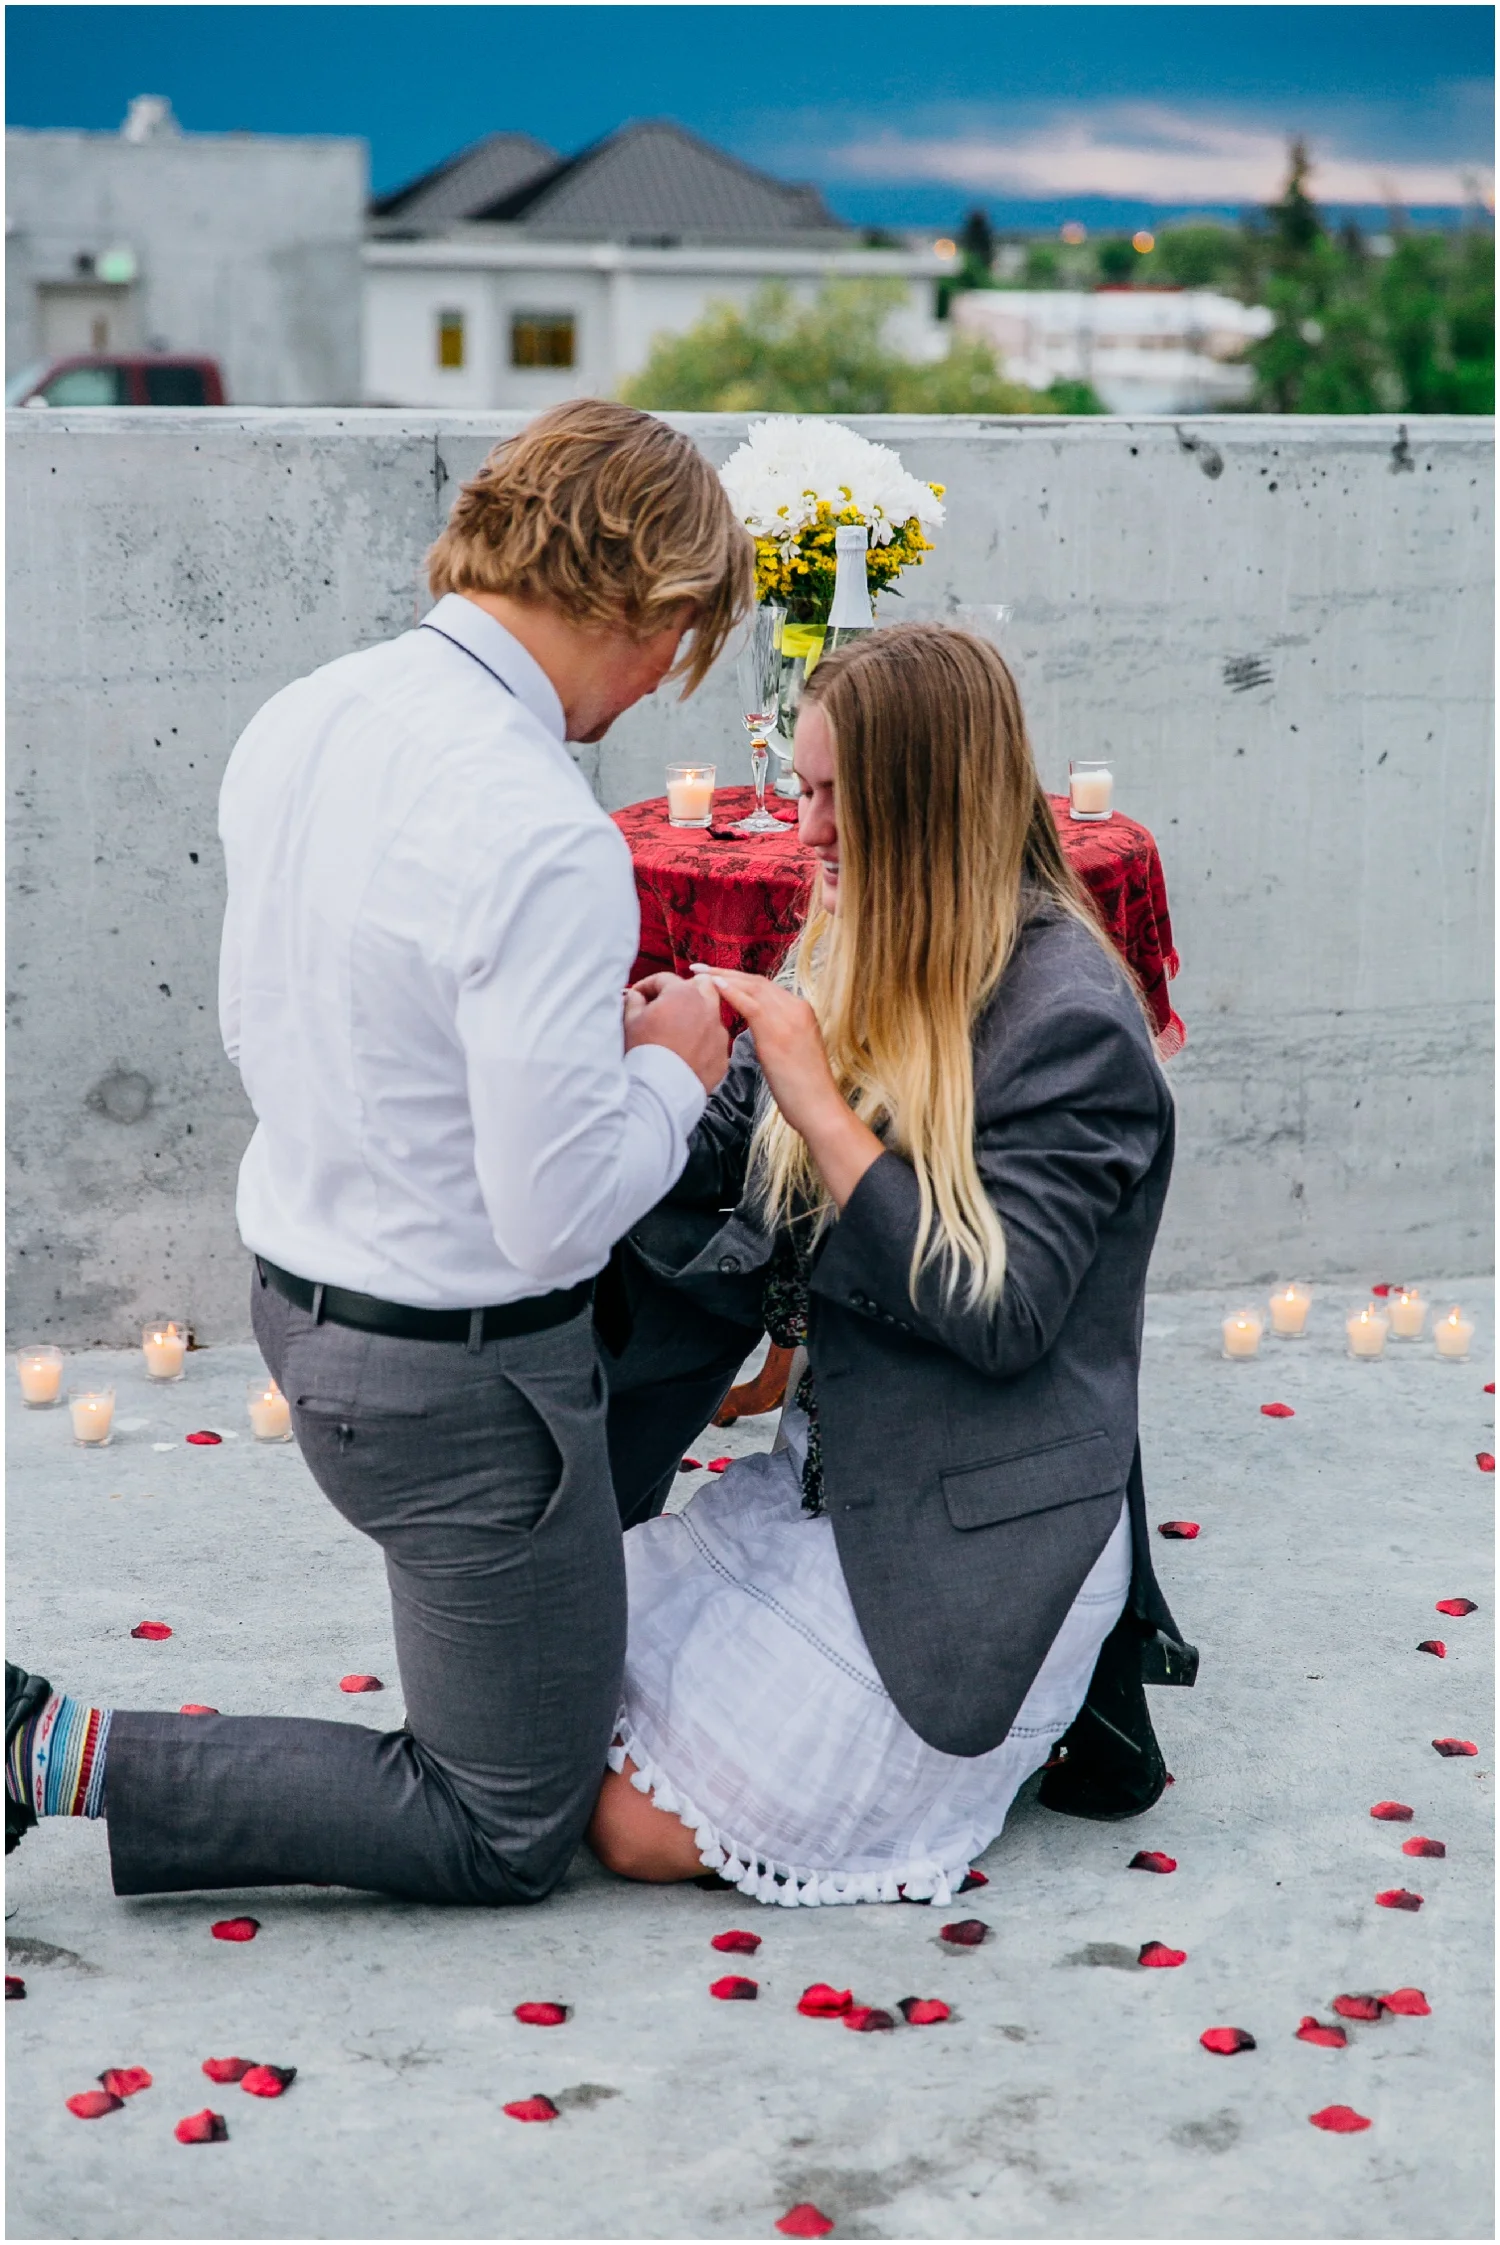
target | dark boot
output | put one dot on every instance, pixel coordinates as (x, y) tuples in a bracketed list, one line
[(25, 1696), (1109, 1764)]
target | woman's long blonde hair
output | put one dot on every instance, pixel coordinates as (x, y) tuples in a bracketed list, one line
[(941, 820)]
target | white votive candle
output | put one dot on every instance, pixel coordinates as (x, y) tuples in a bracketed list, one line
[(1453, 1334), (164, 1346), (93, 1416), (690, 793), (1367, 1330), (1407, 1312), (1091, 790), (1289, 1307), (270, 1412), (1242, 1332), (40, 1371)]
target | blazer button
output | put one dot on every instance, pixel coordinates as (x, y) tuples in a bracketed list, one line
[(729, 1262)]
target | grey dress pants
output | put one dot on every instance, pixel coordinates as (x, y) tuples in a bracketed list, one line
[(484, 1477)]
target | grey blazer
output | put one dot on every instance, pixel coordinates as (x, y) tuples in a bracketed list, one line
[(974, 1460)]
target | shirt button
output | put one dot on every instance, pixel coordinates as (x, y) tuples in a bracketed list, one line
[(729, 1262)]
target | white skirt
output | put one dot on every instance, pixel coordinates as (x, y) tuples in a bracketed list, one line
[(752, 1710)]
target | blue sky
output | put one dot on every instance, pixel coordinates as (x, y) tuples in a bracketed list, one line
[(901, 114)]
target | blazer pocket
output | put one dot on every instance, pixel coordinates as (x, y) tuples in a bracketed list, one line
[(1059, 1473)]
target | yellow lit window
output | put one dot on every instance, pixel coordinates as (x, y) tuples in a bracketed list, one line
[(542, 339), (450, 339)]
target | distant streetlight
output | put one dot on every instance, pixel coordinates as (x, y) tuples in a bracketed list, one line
[(1074, 233), (945, 248), (1143, 242)]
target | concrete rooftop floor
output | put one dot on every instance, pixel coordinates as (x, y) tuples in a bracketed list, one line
[(1068, 2096)]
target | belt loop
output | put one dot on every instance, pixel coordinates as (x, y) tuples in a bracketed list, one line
[(476, 1331), (317, 1305)]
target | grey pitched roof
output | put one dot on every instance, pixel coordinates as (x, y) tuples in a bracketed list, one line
[(467, 183), (655, 182)]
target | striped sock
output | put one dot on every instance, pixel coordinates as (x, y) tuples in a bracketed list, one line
[(56, 1761)]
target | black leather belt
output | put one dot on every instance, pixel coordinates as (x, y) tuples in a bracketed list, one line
[(503, 1321)]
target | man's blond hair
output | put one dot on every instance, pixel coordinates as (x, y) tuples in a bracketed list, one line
[(612, 518)]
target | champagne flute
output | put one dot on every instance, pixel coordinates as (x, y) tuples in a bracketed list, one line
[(760, 700)]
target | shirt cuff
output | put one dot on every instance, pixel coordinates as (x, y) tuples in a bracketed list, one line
[(667, 1074)]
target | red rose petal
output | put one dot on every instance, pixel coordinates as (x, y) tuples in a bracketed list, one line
[(804, 2221), (1331, 2038), (822, 2002), (202, 2127), (1225, 2041), (531, 2108), (268, 2081), (1434, 1848), (360, 1684), (691, 1465), (205, 1437), (15, 1988), (1458, 1607), (235, 1929), (1484, 1460), (542, 2014), (1357, 2007), (1435, 1646), (1155, 1955), (93, 2104), (154, 1631), (1407, 2003), (1489, 1387), (1277, 1411), (966, 1933), (1339, 2120), (923, 2011), (227, 2069), (736, 1944), (192, 1708), (1399, 1898), (1178, 1531), (1451, 1746), (733, 1989), (1392, 1812), (972, 1879), (1152, 1859), (125, 2081), (864, 2019), (717, 1465)]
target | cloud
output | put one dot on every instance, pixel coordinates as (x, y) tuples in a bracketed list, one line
[(1145, 152)]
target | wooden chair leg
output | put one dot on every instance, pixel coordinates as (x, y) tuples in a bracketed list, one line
[(764, 1393)]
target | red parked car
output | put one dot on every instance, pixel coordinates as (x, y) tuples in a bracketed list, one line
[(119, 378)]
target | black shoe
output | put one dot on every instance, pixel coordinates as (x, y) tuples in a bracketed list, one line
[(25, 1696), (1110, 1764)]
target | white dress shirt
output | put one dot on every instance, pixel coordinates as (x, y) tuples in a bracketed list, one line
[(429, 928)]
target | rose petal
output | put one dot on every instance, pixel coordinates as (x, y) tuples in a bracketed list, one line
[(1392, 1812), (1339, 2120), (1489, 1387), (736, 1944), (1383, 1290), (966, 1933), (1331, 2038), (923, 2011), (864, 2019), (1407, 2003), (93, 2104), (125, 2081), (192, 1708), (717, 1465), (360, 1684), (15, 1988), (1178, 1531), (227, 2069), (691, 1465), (1458, 1607), (1152, 1859), (205, 1437), (1357, 2007), (822, 2002), (202, 2128), (235, 1929), (733, 1989), (1451, 1746), (542, 2014), (1435, 1646), (1399, 1898), (1225, 2041), (1171, 1780), (1156, 1955), (804, 2221), (531, 2108), (268, 2081), (1484, 1460), (973, 1879), (1434, 1848), (1277, 1411), (154, 1631)]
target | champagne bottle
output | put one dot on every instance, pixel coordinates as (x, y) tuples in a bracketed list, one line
[(851, 615)]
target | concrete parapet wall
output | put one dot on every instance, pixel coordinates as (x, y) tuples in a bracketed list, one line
[(1281, 630)]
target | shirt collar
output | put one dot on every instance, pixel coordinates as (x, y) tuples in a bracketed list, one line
[(475, 628)]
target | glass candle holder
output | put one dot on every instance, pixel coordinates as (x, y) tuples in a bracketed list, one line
[(690, 794), (1289, 1308), (1091, 789), (1453, 1334), (1367, 1330), (93, 1411), (164, 1347), (1407, 1313), (270, 1412), (1242, 1331), (39, 1369)]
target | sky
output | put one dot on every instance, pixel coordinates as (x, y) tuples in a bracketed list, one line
[(902, 115)]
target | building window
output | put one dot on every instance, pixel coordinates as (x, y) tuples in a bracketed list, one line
[(450, 339), (542, 339)]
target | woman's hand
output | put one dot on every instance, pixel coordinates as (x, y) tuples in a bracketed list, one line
[(789, 1047)]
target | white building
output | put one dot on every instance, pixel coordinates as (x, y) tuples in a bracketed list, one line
[(1142, 350)]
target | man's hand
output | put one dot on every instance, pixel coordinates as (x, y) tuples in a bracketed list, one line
[(683, 1016)]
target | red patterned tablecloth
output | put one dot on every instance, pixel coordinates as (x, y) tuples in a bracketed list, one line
[(737, 900)]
